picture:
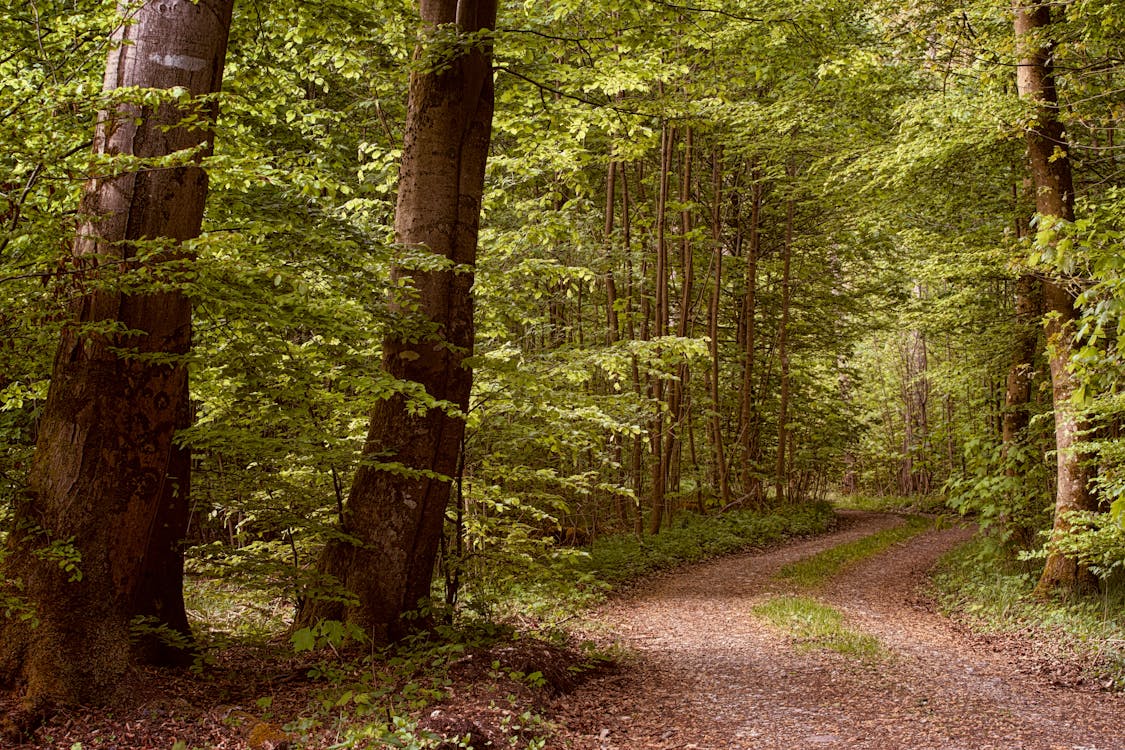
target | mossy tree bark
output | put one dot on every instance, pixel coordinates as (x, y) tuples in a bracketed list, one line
[(396, 507), (1054, 191), (108, 487)]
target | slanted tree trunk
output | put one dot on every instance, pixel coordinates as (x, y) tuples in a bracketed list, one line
[(1054, 190), (108, 487), (396, 506)]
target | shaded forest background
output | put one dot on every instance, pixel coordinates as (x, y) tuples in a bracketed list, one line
[(737, 255)]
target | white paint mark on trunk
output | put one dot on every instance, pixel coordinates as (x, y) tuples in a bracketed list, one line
[(179, 62)]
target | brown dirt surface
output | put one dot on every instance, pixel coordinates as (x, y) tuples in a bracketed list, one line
[(698, 670), (702, 672)]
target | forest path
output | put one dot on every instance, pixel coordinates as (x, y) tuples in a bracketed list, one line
[(703, 672)]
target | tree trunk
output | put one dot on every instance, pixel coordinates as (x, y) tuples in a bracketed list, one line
[(636, 462), (913, 478), (613, 325), (660, 456), (780, 479), (396, 506), (108, 487), (677, 391), (751, 485), (1017, 395), (716, 420), (1054, 190)]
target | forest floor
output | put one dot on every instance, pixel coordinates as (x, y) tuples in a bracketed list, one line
[(704, 672), (697, 666)]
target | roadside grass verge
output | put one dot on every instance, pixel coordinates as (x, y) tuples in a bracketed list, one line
[(556, 590), (815, 570), (888, 503), (980, 585), (625, 558), (814, 625)]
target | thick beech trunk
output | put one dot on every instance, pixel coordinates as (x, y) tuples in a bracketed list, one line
[(396, 507), (108, 486), (1054, 190)]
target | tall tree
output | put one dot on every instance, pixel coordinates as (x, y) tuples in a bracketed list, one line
[(714, 371), (392, 520), (1054, 191), (1017, 394), (747, 419), (97, 541), (781, 473)]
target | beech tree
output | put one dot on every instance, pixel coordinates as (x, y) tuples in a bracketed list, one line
[(97, 541), (1054, 201), (394, 512)]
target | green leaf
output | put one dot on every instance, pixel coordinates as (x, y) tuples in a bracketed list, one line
[(303, 640)]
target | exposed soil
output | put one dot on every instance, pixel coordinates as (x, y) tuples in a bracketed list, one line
[(704, 673), (698, 671)]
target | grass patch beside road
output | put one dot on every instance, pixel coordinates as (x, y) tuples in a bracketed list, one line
[(981, 585), (815, 570), (815, 625)]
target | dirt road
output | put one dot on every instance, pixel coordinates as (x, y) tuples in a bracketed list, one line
[(704, 672)]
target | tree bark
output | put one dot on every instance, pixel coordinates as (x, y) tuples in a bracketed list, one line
[(396, 506), (1054, 190), (915, 479), (613, 324), (1028, 312), (1017, 394), (677, 389), (109, 486), (636, 458), (716, 420), (780, 473), (660, 456), (747, 422)]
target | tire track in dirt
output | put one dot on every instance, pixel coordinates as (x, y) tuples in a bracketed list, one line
[(702, 672)]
